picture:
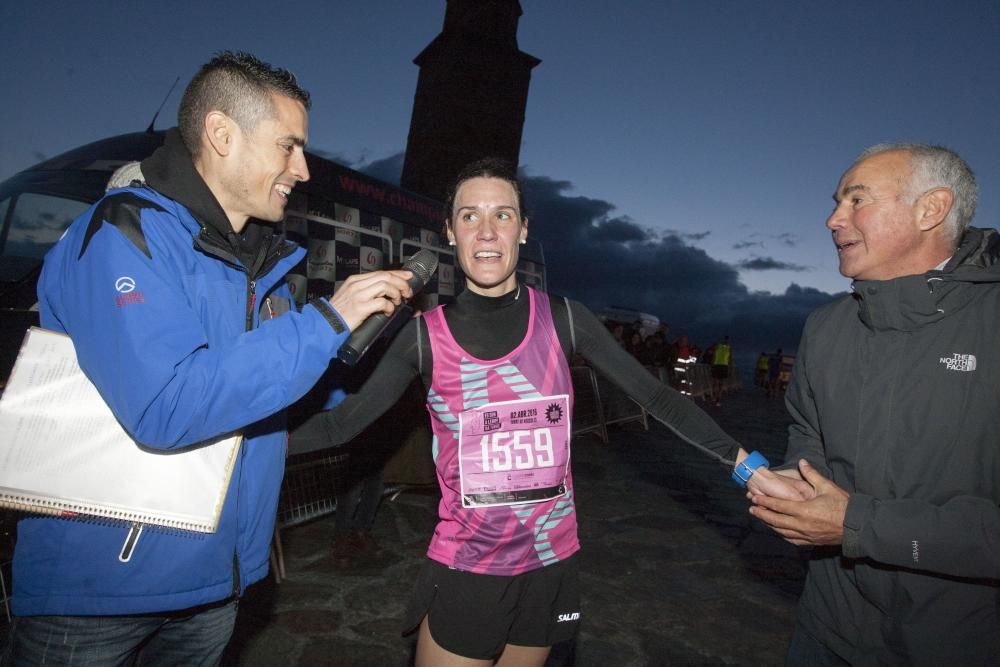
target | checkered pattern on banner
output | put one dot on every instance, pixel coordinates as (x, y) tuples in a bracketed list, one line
[(357, 243), (340, 247)]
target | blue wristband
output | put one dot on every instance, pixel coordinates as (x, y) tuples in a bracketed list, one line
[(745, 468)]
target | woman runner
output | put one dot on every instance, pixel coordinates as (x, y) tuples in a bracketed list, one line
[(501, 581)]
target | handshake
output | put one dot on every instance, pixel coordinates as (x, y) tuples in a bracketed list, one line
[(800, 504)]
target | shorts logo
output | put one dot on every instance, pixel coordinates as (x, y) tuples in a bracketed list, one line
[(960, 362), (563, 618), (125, 284)]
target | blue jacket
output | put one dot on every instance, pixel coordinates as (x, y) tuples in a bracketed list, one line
[(184, 347)]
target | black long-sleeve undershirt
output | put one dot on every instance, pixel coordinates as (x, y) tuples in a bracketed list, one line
[(489, 328)]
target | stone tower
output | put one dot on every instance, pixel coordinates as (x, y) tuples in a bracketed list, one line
[(471, 95)]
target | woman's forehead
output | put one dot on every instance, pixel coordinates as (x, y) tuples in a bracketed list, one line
[(481, 192)]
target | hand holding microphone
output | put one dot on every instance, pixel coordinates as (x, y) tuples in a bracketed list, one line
[(381, 325)]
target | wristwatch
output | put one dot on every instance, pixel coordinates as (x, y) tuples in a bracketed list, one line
[(745, 468)]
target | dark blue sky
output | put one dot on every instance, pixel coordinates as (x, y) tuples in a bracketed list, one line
[(698, 143)]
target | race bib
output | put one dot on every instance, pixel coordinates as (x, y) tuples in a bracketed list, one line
[(514, 451)]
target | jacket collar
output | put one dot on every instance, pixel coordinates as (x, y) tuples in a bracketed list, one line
[(911, 302), (170, 170)]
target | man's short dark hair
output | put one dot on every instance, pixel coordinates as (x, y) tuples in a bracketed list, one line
[(239, 85)]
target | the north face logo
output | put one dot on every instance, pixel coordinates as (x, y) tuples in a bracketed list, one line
[(960, 362)]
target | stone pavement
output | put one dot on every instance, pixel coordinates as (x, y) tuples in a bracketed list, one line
[(673, 569)]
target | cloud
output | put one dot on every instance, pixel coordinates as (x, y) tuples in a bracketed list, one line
[(604, 260), (601, 258), (770, 264), (389, 169), (743, 245), (619, 230), (691, 236)]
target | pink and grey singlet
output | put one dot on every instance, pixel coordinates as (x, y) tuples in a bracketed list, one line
[(501, 449)]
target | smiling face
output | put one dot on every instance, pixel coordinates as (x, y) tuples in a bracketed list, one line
[(486, 228), (876, 230), (265, 164)]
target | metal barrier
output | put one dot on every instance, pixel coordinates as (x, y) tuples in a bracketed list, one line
[(619, 408), (588, 414), (700, 379), (8, 519), (308, 491), (4, 570)]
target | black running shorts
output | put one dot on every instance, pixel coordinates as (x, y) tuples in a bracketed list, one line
[(475, 615)]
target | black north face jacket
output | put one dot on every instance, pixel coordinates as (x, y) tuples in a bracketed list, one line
[(896, 397)]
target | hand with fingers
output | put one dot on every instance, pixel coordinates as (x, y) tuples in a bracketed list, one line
[(365, 294), (818, 520), (784, 484)]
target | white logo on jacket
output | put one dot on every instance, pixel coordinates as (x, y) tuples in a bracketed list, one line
[(960, 362), (125, 284)]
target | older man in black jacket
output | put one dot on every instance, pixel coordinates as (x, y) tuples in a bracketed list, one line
[(894, 396)]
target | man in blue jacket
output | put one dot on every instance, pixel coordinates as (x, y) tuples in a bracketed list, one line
[(206, 343)]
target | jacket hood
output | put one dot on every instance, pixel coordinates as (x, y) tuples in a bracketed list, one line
[(910, 302), (977, 259), (170, 170)]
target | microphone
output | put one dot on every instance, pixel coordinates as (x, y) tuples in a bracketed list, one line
[(423, 264)]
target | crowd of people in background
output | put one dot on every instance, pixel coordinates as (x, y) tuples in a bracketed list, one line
[(657, 349)]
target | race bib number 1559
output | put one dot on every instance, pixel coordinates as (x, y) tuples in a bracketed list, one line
[(514, 451)]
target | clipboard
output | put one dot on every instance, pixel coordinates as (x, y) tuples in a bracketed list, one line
[(63, 452)]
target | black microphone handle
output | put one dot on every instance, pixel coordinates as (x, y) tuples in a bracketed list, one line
[(372, 329), (422, 264)]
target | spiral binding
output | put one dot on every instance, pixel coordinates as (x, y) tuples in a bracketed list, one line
[(64, 510)]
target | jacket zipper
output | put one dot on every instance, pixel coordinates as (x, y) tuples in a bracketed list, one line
[(251, 306), (251, 301), (222, 253)]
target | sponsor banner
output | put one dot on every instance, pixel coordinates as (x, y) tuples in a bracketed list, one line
[(350, 216), (297, 284), (428, 237), (446, 279), (371, 259), (394, 229), (348, 260), (318, 288), (297, 229), (322, 260)]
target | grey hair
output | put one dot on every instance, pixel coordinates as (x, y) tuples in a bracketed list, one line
[(239, 85), (938, 167)]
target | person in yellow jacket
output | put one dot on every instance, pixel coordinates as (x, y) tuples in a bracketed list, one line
[(760, 374), (720, 368)]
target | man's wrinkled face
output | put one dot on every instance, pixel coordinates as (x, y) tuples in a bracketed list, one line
[(874, 227)]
